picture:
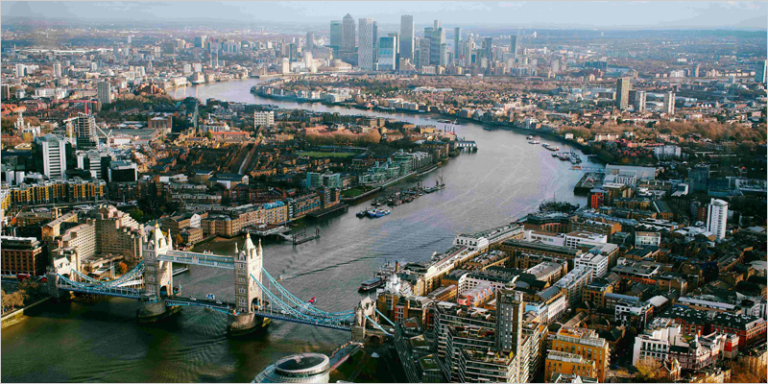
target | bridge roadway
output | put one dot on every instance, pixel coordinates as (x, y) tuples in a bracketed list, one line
[(196, 258), (267, 312)]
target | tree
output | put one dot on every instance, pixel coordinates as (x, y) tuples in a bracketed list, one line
[(14, 300), (122, 267), (741, 372), (178, 239), (648, 370), (137, 214)]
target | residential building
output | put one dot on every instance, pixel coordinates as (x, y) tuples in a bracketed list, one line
[(597, 263), (717, 218), (586, 343), (565, 363), (263, 118), (622, 93), (643, 239), (669, 103), (104, 92)]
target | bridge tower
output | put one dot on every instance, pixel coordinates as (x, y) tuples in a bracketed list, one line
[(364, 311), (247, 263), (158, 275)]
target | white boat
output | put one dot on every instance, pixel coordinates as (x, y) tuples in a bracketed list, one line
[(533, 142)]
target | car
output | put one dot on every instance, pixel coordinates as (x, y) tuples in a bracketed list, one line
[(193, 299), (219, 303)]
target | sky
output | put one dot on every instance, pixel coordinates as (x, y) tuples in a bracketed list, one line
[(520, 14)]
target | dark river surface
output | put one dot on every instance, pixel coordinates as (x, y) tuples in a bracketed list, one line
[(101, 341)]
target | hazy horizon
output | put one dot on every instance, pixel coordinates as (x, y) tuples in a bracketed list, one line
[(555, 15)]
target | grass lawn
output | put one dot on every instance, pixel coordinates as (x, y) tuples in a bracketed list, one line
[(321, 155), (354, 192)]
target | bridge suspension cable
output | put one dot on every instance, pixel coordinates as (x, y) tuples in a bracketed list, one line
[(302, 303)]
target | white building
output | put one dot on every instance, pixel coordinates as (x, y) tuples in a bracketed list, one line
[(580, 238), (666, 152), (53, 150), (264, 118), (480, 241), (643, 239), (717, 217), (20, 70), (597, 263), (365, 52)]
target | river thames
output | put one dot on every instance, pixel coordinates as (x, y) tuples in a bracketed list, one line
[(101, 341)]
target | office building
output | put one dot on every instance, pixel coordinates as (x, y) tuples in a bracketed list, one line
[(50, 153), (717, 217), (263, 118), (424, 49), (387, 57), (122, 171), (200, 41), (310, 43), (365, 56), (406, 37), (669, 103), (456, 41), (23, 255), (348, 34), (375, 43), (436, 45), (622, 93), (85, 131), (336, 36), (637, 100), (20, 70)]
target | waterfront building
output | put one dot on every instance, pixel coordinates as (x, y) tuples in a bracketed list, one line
[(717, 218), (586, 343), (483, 240), (23, 255), (302, 368), (117, 233)]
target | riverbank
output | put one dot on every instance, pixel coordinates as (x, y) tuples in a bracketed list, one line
[(17, 316)]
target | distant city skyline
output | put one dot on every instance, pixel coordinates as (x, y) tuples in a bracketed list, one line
[(565, 15)]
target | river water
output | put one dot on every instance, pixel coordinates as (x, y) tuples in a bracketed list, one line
[(101, 341)]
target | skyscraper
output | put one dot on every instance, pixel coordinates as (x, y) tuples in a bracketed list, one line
[(436, 42), (669, 103), (57, 70), (336, 36), (348, 34), (717, 218), (509, 320), (513, 47), (488, 47), (406, 37), (200, 41), (760, 72), (50, 153), (103, 92), (85, 132), (20, 70), (365, 54), (375, 42), (424, 47), (310, 43), (622, 93), (456, 41)]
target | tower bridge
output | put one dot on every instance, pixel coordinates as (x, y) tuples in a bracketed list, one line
[(258, 297)]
